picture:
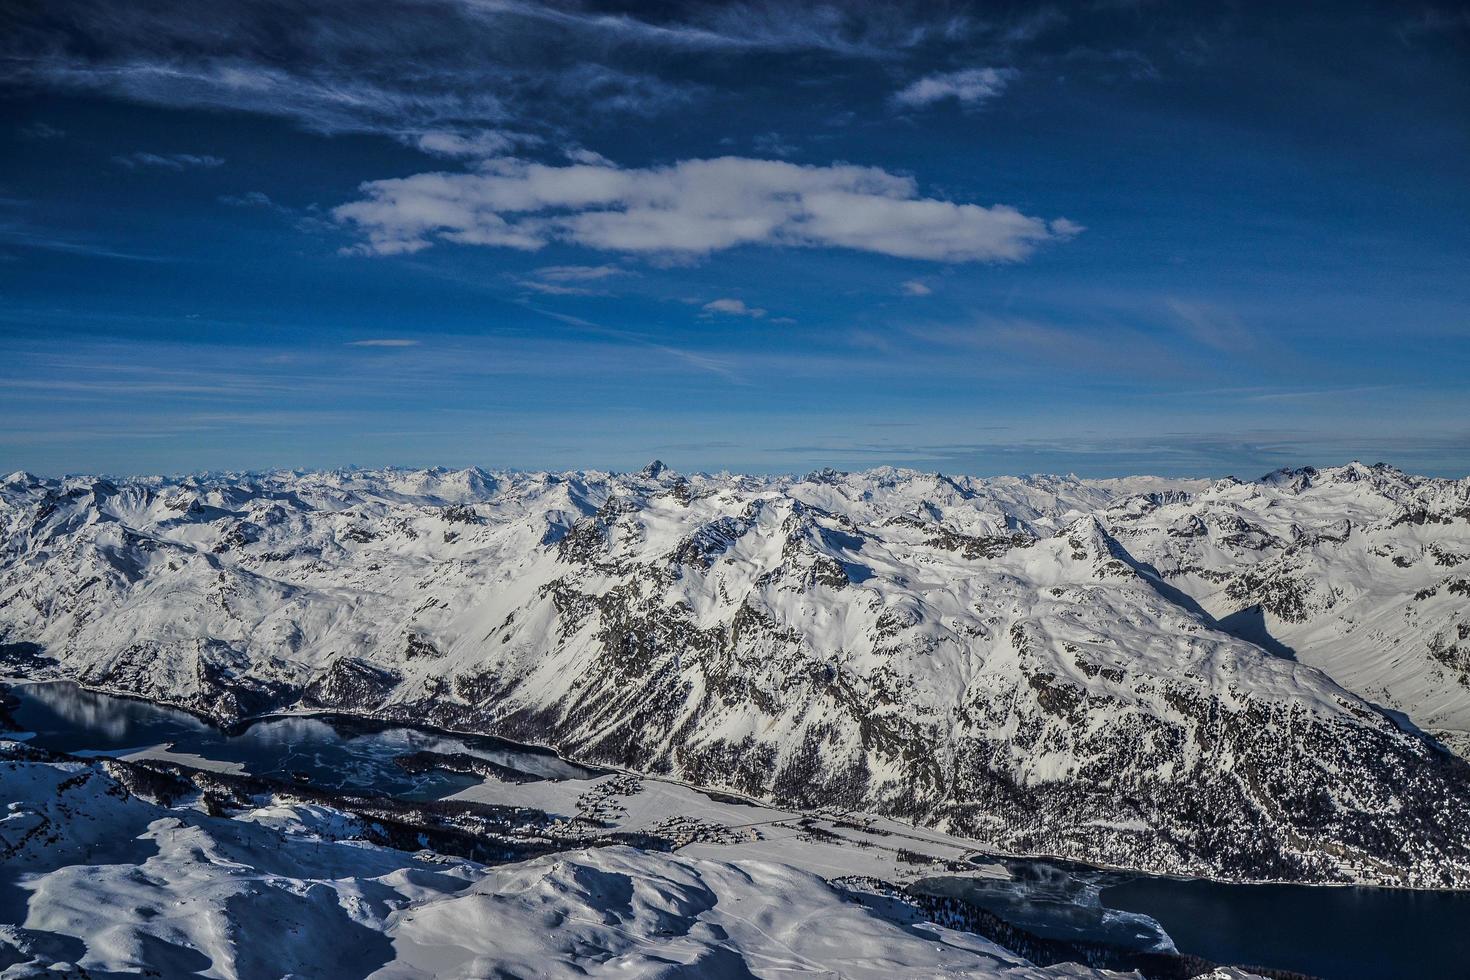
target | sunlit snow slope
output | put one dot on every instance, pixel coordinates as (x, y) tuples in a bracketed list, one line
[(101, 882), (1123, 671)]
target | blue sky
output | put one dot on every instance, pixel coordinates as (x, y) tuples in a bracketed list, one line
[(1104, 237)]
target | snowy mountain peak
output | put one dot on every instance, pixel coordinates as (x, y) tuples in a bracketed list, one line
[(1089, 540), (825, 475), (1015, 658), (1380, 476)]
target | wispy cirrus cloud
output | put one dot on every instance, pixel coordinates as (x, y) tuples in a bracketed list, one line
[(167, 161), (451, 77), (558, 289), (19, 234), (1212, 326), (728, 306), (579, 273), (851, 28), (442, 75), (1022, 343), (1435, 20), (253, 199), (969, 87), (384, 342), (472, 145), (690, 209), (1117, 451), (323, 98), (41, 131), (572, 280)]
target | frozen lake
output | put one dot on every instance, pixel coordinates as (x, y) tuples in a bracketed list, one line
[(331, 752)]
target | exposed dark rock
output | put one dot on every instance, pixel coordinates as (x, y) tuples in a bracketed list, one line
[(351, 684)]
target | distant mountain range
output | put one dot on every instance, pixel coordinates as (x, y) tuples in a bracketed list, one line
[(1251, 680)]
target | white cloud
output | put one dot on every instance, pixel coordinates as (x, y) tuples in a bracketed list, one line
[(578, 273), (914, 287), (557, 289), (580, 154), (167, 161), (1064, 229), (477, 145), (733, 307), (689, 209), (384, 342), (571, 280), (970, 87)]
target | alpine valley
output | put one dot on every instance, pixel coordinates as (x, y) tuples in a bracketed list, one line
[(1262, 680)]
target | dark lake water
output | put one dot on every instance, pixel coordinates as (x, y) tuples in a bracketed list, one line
[(1332, 933), (330, 752)]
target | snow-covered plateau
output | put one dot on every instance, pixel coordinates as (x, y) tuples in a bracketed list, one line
[(1256, 680)]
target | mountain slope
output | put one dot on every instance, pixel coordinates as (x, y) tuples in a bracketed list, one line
[(116, 884), (1034, 662), (1362, 571)]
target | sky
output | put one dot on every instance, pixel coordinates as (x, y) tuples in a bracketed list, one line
[(1104, 238)]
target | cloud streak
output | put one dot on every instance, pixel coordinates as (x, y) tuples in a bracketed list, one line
[(689, 210), (733, 307), (447, 76), (579, 273), (970, 87), (571, 280), (1211, 326), (41, 131), (167, 161)]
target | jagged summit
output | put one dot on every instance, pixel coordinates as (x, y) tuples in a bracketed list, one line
[(1305, 478)]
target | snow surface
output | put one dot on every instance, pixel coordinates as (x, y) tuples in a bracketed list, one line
[(1355, 566), (97, 880), (729, 828), (1048, 662)]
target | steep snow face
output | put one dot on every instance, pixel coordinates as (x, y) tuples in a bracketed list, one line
[(1019, 660), (1362, 571), (99, 880)]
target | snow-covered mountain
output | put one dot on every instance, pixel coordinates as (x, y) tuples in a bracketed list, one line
[(1121, 671), (1361, 571), (111, 883)]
